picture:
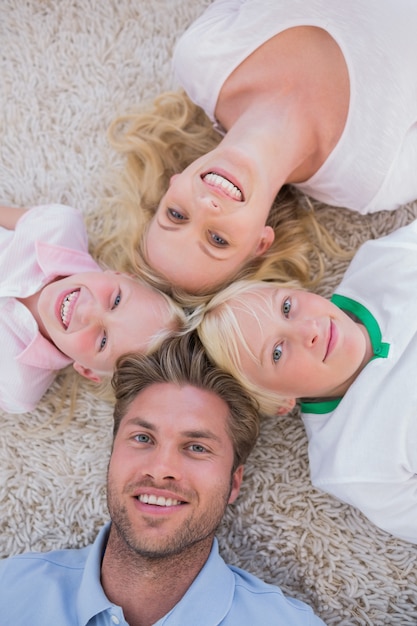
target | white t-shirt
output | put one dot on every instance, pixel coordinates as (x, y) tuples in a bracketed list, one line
[(374, 165), (364, 450), (48, 241)]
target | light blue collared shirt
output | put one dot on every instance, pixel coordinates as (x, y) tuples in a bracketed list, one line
[(63, 588)]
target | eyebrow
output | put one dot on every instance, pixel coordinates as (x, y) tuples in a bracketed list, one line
[(166, 227), (263, 354), (111, 348), (190, 434), (201, 434), (263, 351), (208, 252), (139, 421), (204, 248)]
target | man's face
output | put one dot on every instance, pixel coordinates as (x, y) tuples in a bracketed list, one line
[(170, 473)]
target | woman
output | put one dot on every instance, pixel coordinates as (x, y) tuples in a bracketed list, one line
[(318, 95)]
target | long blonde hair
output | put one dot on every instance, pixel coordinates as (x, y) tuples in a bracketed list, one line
[(162, 140)]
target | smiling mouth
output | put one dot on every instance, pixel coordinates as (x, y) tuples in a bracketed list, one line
[(67, 307), (329, 346), (223, 184), (159, 500)]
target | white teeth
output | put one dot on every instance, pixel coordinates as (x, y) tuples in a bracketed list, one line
[(65, 306), (158, 500), (218, 181)]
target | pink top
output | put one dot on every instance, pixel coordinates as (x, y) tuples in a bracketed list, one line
[(48, 241)]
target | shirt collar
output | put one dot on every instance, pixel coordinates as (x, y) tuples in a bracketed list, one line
[(59, 261), (216, 584), (54, 261), (91, 598), (43, 354)]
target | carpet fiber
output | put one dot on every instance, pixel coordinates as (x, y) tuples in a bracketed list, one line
[(68, 67)]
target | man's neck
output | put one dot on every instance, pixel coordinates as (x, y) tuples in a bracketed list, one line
[(148, 588)]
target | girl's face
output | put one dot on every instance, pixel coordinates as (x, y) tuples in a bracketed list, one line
[(304, 346), (95, 317), (210, 222)]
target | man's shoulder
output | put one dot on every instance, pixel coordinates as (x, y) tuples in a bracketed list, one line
[(253, 595), (238, 597), (63, 583), (48, 581), (31, 562)]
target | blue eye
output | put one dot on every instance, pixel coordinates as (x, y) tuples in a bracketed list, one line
[(286, 307), (218, 241), (176, 215), (142, 438), (117, 300), (277, 353), (103, 342), (196, 447)]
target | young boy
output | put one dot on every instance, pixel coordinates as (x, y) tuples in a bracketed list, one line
[(58, 307), (351, 361)]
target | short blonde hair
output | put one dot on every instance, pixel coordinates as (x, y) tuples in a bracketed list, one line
[(220, 333)]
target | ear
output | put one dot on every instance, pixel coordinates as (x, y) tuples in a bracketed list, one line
[(87, 373), (173, 177), (287, 407), (266, 241), (236, 482)]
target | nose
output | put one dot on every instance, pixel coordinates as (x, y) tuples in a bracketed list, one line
[(307, 331), (87, 312), (163, 463), (210, 204)]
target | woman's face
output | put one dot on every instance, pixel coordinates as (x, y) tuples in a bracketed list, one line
[(209, 223)]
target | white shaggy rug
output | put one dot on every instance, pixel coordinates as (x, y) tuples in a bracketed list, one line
[(67, 68)]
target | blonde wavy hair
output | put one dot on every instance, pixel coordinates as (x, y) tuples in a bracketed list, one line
[(219, 331), (163, 139)]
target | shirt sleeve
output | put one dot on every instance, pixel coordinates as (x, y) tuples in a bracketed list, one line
[(58, 224)]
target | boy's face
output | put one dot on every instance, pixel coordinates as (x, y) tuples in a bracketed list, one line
[(95, 317), (303, 344)]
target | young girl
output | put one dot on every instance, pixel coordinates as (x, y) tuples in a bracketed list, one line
[(59, 307), (351, 361), (320, 95)]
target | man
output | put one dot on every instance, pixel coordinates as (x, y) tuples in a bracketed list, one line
[(182, 432)]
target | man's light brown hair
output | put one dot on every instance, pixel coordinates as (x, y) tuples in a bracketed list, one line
[(183, 361)]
